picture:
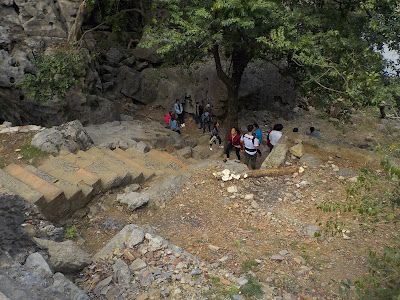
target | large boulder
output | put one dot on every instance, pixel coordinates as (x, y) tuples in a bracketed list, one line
[(166, 189), (277, 156), (66, 256), (70, 137)]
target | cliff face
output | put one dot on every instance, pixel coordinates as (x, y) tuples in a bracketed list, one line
[(27, 27), (113, 73)]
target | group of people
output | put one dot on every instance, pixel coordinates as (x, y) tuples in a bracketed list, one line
[(249, 142), (175, 118)]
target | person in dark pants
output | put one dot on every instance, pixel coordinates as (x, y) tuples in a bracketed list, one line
[(197, 115), (206, 118), (234, 143), (174, 124), (251, 145), (179, 112)]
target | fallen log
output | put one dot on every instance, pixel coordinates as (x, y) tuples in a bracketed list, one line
[(270, 172)]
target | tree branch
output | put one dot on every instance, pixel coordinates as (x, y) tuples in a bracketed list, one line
[(220, 72)]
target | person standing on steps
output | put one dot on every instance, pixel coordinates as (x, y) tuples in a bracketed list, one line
[(215, 136), (206, 118), (198, 115), (258, 133), (234, 143), (251, 145), (275, 135), (179, 112), (174, 124)]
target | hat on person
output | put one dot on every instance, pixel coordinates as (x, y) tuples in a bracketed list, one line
[(208, 105)]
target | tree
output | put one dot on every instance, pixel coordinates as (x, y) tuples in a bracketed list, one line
[(329, 45)]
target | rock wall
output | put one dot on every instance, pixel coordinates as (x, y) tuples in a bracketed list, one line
[(262, 87), (27, 27)]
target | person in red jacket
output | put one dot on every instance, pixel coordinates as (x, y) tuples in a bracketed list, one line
[(234, 143), (168, 117)]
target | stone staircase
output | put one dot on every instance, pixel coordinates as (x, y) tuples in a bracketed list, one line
[(67, 182)]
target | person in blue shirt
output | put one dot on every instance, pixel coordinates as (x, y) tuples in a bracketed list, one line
[(257, 132), (179, 112), (174, 124)]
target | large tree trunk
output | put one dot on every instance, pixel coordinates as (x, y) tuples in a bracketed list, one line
[(76, 28), (240, 59)]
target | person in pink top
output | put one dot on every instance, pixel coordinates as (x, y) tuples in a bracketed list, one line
[(168, 117), (234, 143)]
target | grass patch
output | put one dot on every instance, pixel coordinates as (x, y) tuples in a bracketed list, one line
[(3, 164), (248, 265), (252, 288), (32, 154)]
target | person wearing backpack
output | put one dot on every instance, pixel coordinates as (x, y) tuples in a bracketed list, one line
[(251, 144), (206, 118), (168, 117), (257, 132), (179, 112)]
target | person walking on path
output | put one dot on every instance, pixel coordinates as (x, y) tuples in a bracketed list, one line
[(234, 143), (251, 145), (275, 135), (179, 112), (174, 124), (198, 115), (206, 118), (258, 133), (215, 136)]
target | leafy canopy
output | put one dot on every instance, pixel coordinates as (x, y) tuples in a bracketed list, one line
[(329, 46)]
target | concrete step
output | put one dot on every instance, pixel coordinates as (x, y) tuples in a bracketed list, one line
[(119, 154), (174, 163), (54, 196), (75, 196), (160, 159), (109, 179), (17, 187), (89, 183), (126, 172)]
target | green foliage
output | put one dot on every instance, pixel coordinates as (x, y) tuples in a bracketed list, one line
[(31, 153), (329, 46), (393, 172), (383, 279), (252, 288), (3, 164), (248, 265), (54, 74), (71, 232)]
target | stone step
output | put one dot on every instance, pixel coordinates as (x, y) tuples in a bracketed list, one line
[(75, 196), (109, 179), (119, 154), (160, 159), (126, 172), (17, 187), (86, 181), (54, 196)]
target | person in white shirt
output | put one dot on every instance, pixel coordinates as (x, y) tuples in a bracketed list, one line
[(275, 135), (251, 144)]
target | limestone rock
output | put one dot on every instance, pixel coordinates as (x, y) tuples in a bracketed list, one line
[(184, 152), (311, 230), (66, 256), (133, 199), (166, 189), (137, 264), (131, 231), (277, 156), (297, 150), (311, 160), (122, 275), (70, 136), (39, 267), (64, 286)]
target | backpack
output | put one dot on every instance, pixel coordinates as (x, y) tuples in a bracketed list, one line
[(268, 140), (207, 116)]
